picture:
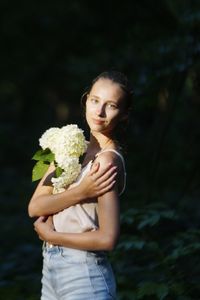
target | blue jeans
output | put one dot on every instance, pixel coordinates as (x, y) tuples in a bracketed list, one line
[(70, 274)]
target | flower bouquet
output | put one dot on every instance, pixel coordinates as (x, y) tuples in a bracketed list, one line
[(63, 146)]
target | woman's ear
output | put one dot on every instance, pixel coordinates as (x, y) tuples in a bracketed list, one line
[(84, 99)]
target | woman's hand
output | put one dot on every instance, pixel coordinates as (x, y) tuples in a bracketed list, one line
[(44, 228), (96, 182)]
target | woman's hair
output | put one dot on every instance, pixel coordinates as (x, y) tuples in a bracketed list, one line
[(120, 79)]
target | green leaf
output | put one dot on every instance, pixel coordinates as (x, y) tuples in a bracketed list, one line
[(44, 155), (39, 170), (177, 288), (168, 214), (131, 243), (58, 171), (151, 288), (182, 251), (127, 294), (149, 221), (162, 291)]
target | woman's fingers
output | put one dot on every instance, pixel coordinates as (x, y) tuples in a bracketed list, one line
[(107, 188), (107, 181), (49, 222), (97, 182), (103, 176), (40, 220), (95, 168)]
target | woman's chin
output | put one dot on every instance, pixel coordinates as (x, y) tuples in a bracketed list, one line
[(97, 127)]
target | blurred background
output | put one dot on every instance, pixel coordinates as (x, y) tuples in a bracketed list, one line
[(50, 51)]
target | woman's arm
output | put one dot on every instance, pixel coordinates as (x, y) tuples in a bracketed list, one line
[(95, 183), (104, 238)]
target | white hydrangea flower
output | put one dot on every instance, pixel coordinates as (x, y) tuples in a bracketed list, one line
[(49, 139), (71, 141), (68, 144), (57, 190), (66, 162), (69, 175)]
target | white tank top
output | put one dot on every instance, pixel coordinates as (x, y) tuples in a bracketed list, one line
[(82, 217)]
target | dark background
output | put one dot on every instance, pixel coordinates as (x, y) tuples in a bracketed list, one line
[(50, 51)]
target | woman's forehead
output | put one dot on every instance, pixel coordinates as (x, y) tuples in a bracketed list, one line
[(106, 88)]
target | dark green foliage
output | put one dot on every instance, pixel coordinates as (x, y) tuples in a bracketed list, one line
[(49, 52), (160, 255)]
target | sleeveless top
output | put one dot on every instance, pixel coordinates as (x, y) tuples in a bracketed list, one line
[(82, 217)]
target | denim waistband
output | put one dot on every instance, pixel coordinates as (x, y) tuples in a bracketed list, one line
[(49, 248)]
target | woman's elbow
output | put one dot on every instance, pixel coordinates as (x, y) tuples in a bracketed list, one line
[(32, 210), (110, 247), (110, 243)]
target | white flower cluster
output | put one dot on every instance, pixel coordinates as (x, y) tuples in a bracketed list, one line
[(68, 144), (49, 139), (71, 172)]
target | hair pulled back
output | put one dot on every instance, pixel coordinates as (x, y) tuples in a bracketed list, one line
[(120, 79)]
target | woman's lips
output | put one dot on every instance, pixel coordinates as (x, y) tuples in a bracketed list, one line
[(98, 122)]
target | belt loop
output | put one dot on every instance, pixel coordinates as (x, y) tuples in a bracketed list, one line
[(60, 250)]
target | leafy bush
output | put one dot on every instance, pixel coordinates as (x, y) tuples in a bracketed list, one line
[(157, 257)]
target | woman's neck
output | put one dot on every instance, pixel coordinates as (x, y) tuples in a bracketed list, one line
[(97, 143), (100, 141)]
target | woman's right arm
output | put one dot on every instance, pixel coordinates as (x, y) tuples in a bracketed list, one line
[(94, 184)]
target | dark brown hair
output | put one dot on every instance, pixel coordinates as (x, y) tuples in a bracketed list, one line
[(120, 79)]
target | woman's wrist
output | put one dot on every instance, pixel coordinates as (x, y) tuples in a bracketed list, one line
[(79, 193), (52, 238)]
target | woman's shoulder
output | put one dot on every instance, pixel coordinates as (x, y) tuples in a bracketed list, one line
[(108, 156), (114, 157)]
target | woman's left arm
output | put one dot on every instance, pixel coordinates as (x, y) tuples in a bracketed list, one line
[(104, 238)]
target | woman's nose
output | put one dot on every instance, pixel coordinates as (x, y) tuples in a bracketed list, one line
[(100, 110)]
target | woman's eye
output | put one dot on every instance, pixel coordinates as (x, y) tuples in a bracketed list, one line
[(93, 100), (113, 106)]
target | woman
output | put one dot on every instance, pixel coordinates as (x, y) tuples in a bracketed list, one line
[(85, 222)]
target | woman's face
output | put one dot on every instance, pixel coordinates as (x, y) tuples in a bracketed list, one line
[(105, 106)]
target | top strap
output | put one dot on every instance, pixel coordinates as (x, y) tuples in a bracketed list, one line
[(123, 163)]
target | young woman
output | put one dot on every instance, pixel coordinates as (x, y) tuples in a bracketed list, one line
[(84, 222)]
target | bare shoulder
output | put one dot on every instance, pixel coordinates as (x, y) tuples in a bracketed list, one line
[(111, 157), (108, 157)]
